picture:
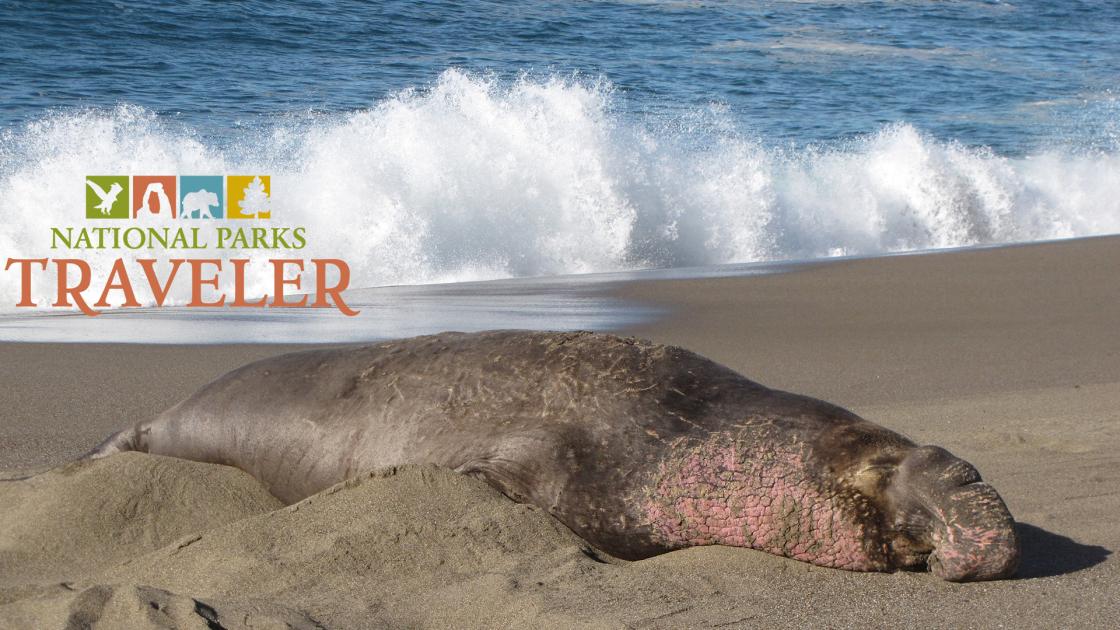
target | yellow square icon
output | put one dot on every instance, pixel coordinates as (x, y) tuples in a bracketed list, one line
[(249, 196)]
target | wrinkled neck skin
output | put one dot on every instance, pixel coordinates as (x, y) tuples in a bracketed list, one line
[(834, 501), (766, 496)]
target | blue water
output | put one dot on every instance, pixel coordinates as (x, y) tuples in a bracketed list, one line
[(1013, 76), (450, 142)]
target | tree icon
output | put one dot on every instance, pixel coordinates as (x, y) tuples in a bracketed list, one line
[(255, 202)]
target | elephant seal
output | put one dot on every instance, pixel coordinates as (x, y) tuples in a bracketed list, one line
[(638, 448)]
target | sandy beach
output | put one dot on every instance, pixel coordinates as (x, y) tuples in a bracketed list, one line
[(1009, 357)]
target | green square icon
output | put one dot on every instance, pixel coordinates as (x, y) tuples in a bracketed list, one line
[(107, 197)]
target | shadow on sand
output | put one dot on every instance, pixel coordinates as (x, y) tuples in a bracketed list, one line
[(1046, 554)]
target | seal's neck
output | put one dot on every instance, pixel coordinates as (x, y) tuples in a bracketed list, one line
[(761, 496)]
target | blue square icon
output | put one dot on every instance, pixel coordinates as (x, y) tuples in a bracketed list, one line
[(202, 197)]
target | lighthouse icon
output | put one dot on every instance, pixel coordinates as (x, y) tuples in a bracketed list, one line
[(154, 195)]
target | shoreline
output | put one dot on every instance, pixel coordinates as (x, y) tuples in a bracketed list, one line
[(601, 301)]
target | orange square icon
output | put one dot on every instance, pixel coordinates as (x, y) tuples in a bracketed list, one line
[(155, 195)]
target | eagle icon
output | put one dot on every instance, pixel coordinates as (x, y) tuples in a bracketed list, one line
[(107, 198)]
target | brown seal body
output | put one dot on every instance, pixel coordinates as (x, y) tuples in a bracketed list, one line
[(638, 448)]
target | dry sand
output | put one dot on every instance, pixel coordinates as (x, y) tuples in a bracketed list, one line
[(1008, 357)]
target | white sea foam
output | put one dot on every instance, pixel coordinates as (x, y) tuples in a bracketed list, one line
[(474, 178)]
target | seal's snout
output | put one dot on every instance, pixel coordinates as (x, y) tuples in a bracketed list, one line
[(976, 539), (973, 533)]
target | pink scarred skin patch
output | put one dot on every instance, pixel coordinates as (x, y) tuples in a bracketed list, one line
[(762, 497)]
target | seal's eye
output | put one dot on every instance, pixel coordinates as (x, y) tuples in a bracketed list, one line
[(872, 479)]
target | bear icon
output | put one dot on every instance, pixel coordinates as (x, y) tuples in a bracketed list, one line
[(197, 204)]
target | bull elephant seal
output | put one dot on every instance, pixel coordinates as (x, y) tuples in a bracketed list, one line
[(639, 448)]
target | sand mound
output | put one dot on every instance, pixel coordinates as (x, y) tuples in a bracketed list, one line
[(87, 516), (379, 549), (407, 546)]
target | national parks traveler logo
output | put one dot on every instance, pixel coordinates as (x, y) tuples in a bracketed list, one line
[(180, 248), (178, 197)]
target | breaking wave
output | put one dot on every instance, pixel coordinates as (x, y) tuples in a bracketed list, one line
[(474, 178)]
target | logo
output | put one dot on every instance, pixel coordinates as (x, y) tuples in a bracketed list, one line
[(176, 215), (107, 197)]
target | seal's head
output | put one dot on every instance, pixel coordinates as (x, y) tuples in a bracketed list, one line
[(941, 511), (888, 505)]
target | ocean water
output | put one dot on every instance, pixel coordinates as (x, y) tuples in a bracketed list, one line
[(460, 141)]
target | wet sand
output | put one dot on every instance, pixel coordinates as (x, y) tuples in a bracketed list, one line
[(1008, 357)]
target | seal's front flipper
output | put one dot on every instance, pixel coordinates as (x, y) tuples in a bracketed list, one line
[(522, 467), (498, 475)]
